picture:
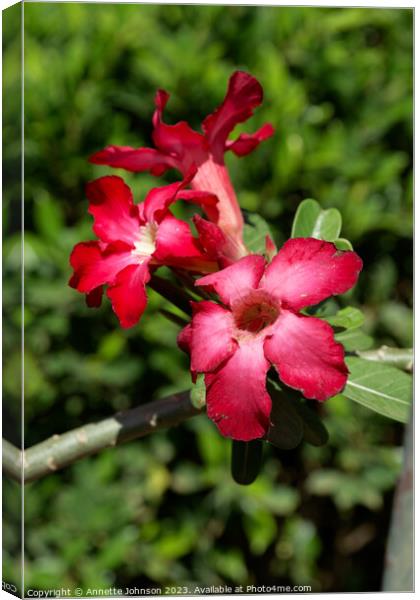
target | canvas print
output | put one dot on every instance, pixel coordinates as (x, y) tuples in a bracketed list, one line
[(207, 331)]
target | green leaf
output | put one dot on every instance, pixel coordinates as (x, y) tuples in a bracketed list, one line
[(230, 564), (261, 529), (346, 490), (256, 230), (48, 217), (246, 461), (280, 500), (381, 388), (354, 339), (314, 431), (112, 345), (343, 244), (286, 431), (348, 318), (312, 221), (198, 393), (293, 420)]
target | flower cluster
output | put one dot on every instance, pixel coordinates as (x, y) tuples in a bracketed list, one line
[(253, 320)]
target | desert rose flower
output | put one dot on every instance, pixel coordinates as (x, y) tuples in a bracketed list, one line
[(133, 240), (259, 324), (179, 147)]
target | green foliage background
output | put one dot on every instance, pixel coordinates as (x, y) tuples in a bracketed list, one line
[(164, 510)]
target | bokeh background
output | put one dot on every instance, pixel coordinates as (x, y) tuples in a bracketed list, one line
[(164, 510)]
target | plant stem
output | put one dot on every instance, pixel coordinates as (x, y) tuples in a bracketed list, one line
[(179, 321), (12, 461), (171, 292), (61, 450), (398, 357), (189, 282)]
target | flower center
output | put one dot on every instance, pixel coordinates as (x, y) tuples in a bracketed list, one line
[(145, 244), (256, 311)]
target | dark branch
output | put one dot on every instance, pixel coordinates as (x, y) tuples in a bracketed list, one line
[(61, 450)]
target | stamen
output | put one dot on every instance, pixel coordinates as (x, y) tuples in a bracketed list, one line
[(145, 244)]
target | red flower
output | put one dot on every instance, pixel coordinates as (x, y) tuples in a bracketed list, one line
[(180, 147), (260, 325), (133, 239)]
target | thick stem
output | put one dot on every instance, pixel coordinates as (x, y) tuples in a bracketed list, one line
[(186, 279), (12, 461), (399, 357), (179, 321), (171, 292), (61, 450)]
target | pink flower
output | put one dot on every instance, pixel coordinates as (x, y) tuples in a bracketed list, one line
[(134, 239), (178, 146), (260, 325)]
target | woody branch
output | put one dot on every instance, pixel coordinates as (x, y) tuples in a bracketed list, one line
[(62, 450), (59, 451)]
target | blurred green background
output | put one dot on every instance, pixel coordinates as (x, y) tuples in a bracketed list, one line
[(164, 510)]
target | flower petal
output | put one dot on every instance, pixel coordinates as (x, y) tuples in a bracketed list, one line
[(237, 399), (306, 271), (211, 237), (235, 281), (206, 200), (94, 266), (134, 159), (94, 298), (128, 293), (244, 93), (213, 177), (182, 143), (216, 244), (306, 356), (211, 336), (175, 240), (246, 143), (111, 205), (184, 338), (184, 341), (158, 201)]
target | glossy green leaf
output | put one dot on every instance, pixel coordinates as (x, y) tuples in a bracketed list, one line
[(286, 431), (381, 388), (354, 339), (312, 221), (246, 461), (343, 244), (256, 230), (293, 420), (348, 318), (314, 431)]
